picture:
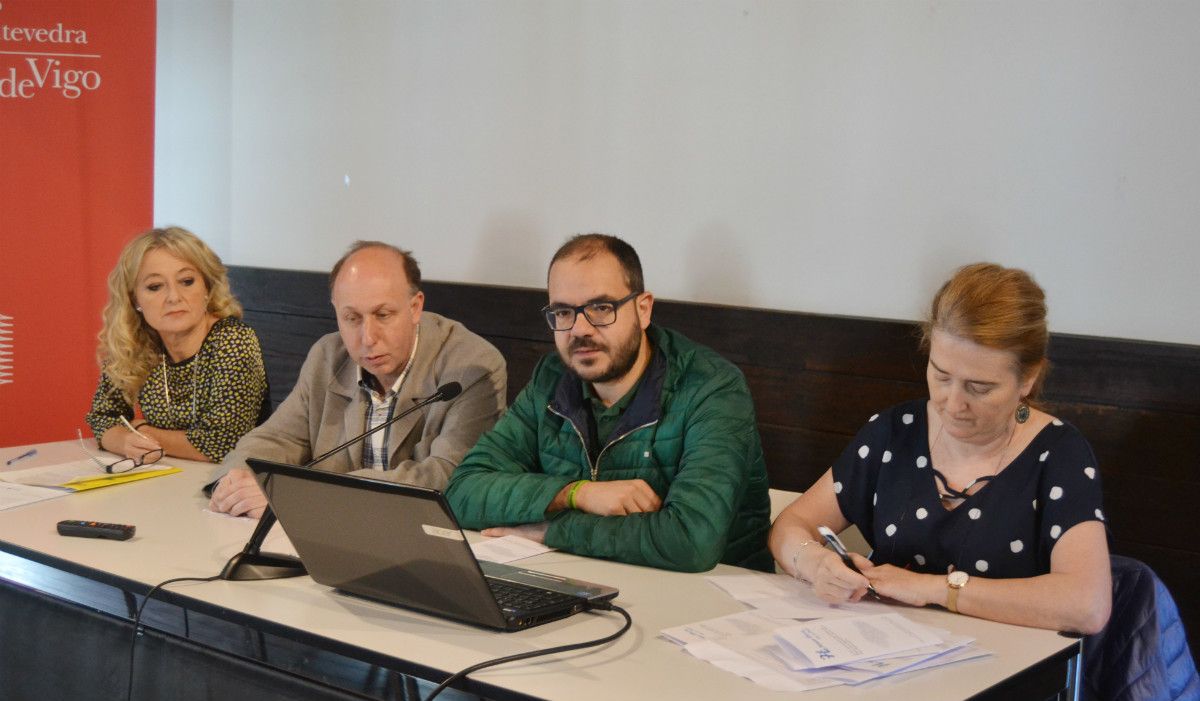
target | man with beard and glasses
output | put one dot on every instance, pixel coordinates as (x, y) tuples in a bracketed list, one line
[(630, 443)]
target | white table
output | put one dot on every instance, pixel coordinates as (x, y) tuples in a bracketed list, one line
[(176, 537)]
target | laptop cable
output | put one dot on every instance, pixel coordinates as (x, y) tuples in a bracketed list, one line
[(591, 606)]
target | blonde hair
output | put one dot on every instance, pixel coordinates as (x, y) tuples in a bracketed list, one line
[(996, 307), (129, 348)]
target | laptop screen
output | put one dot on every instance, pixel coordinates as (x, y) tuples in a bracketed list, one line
[(383, 540)]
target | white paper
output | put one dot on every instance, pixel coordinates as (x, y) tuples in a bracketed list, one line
[(507, 549), (745, 644), (758, 586), (277, 541), (66, 472), (717, 629), (853, 643), (808, 605), (967, 652), (14, 495), (767, 650), (771, 676), (839, 641), (780, 596), (895, 664)]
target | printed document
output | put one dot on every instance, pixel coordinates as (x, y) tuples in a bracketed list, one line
[(841, 641), (79, 475), (780, 596), (14, 495), (507, 549)]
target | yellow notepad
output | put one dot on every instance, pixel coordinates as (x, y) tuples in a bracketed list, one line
[(80, 484)]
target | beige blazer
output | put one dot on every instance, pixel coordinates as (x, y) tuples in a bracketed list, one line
[(327, 408)]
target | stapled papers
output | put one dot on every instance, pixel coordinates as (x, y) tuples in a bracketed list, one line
[(847, 644)]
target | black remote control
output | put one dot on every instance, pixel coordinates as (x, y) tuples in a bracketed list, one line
[(93, 529)]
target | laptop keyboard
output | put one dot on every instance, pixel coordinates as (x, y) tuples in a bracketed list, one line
[(519, 597)]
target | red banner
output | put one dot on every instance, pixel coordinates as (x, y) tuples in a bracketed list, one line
[(76, 183)]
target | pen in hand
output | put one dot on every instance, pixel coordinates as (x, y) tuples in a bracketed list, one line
[(27, 454), (131, 428), (838, 547)]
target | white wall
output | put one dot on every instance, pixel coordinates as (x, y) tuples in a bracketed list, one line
[(192, 128), (838, 157)]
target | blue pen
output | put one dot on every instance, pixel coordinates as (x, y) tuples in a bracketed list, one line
[(27, 454)]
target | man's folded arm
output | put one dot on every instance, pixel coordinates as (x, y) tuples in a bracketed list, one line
[(690, 531), (499, 482)]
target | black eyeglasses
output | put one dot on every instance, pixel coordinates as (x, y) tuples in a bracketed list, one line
[(561, 317), (125, 464)]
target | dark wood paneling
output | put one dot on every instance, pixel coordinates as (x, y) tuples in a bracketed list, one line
[(794, 341), (821, 400), (491, 310), (285, 342), (1154, 444), (1132, 374), (290, 292), (796, 457), (521, 356), (1150, 510), (817, 378)]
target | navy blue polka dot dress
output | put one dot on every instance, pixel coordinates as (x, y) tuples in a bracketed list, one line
[(885, 486)]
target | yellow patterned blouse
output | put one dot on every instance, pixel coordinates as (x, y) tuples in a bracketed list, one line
[(216, 396)]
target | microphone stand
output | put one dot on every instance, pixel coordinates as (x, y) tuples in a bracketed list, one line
[(252, 565)]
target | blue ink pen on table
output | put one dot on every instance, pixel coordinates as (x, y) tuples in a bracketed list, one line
[(27, 454), (836, 543)]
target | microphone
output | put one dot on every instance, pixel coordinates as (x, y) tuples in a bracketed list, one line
[(251, 564)]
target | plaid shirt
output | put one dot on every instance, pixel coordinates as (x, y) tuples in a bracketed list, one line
[(379, 410), (375, 454)]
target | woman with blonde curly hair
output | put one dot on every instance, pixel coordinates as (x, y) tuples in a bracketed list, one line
[(174, 345)]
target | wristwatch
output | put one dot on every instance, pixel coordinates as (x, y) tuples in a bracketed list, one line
[(954, 581)]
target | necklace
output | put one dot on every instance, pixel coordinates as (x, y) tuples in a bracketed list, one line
[(191, 362), (949, 494), (166, 381)]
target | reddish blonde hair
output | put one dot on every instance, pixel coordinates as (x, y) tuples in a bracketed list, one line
[(996, 307)]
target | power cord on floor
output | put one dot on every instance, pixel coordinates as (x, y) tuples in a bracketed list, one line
[(596, 606)]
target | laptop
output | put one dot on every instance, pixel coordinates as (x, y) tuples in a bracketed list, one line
[(400, 544)]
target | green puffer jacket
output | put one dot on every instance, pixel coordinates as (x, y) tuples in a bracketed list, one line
[(689, 432)]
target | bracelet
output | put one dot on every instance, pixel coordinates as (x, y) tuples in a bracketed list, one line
[(795, 556), (571, 494), (139, 424)]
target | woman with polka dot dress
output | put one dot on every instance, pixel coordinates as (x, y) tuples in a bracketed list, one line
[(974, 499), (173, 344)]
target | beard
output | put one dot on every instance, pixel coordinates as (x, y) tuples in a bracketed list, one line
[(622, 358)]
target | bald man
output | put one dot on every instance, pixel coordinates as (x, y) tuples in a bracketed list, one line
[(387, 354)]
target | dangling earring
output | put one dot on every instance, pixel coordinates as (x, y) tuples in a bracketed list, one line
[(1022, 412)]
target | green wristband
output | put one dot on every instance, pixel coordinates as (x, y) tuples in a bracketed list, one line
[(571, 494)]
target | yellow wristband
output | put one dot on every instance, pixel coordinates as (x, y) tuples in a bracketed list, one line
[(571, 494)]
